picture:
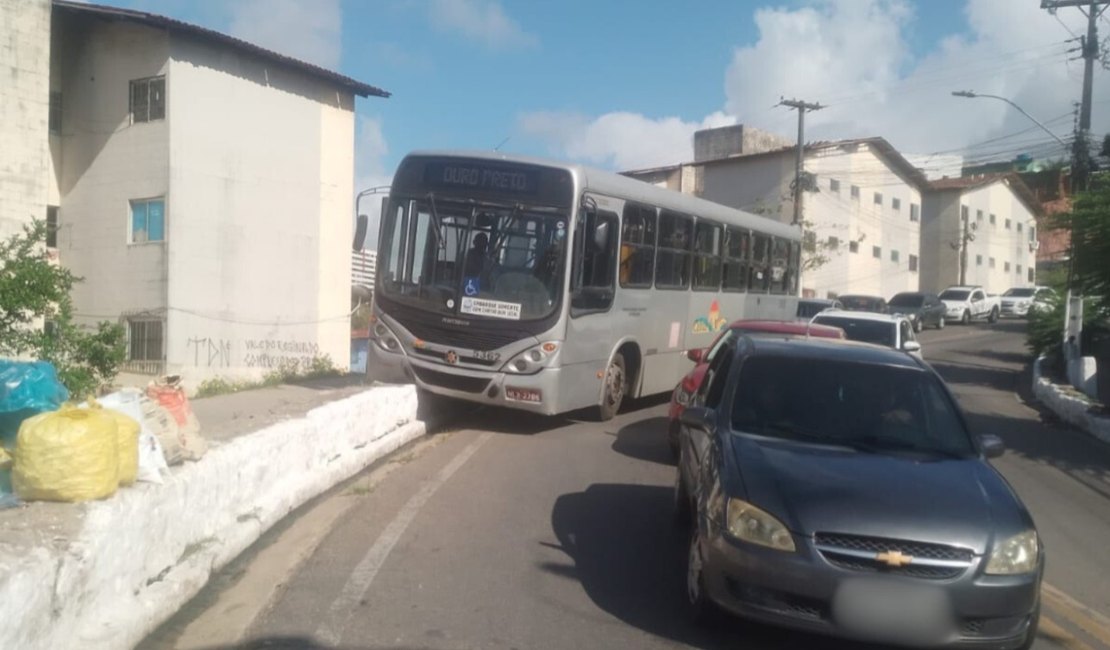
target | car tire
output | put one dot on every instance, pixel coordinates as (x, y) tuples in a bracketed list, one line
[(616, 383), (701, 608), (918, 324), (940, 322), (993, 318), (965, 319)]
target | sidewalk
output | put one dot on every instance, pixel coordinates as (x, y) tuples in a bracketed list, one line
[(104, 574), (1070, 405)]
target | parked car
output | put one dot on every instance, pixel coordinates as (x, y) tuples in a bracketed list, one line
[(965, 304), (889, 331), (836, 488), (873, 304), (810, 307), (701, 358), (1019, 301), (921, 308)]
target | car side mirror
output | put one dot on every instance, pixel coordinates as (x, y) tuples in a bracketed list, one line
[(991, 445), (362, 223), (695, 355), (911, 346), (700, 418)]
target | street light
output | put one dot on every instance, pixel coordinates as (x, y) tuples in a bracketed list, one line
[(972, 95)]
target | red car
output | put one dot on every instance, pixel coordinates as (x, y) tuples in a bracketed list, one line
[(701, 357)]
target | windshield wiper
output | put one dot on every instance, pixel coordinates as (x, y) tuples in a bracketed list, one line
[(876, 445), (798, 435)]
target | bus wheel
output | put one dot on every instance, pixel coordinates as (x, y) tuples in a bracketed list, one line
[(615, 381)]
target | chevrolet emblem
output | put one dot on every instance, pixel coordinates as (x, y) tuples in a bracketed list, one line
[(451, 357), (894, 559)]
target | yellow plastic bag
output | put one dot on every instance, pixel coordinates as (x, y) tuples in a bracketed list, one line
[(66, 455), (127, 439)]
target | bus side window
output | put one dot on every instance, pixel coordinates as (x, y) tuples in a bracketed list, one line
[(779, 265), (737, 250), (760, 264), (707, 256), (793, 269), (672, 267), (595, 262), (637, 246)]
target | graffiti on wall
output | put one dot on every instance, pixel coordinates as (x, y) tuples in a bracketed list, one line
[(213, 353), (275, 353)]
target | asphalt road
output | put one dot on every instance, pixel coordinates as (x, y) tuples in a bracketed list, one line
[(511, 531)]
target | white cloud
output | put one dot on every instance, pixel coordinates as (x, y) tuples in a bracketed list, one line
[(370, 170), (309, 31), (618, 140), (484, 21)]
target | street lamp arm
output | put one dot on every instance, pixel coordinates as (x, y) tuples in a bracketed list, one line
[(970, 94)]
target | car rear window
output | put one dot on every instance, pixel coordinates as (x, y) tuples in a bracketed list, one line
[(907, 300), (875, 406), (954, 295), (864, 331)]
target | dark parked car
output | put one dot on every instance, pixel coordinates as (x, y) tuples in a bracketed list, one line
[(835, 488), (923, 309), (864, 303), (810, 307)]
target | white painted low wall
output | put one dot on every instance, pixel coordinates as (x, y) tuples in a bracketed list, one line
[(1070, 408), (145, 552)]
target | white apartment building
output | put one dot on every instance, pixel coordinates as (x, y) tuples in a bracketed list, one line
[(999, 212), (363, 268), (201, 186)]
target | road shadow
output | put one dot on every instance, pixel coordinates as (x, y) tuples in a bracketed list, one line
[(645, 440), (303, 643), (1014, 358), (630, 560), (1003, 379)]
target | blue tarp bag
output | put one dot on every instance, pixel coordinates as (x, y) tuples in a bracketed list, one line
[(26, 388)]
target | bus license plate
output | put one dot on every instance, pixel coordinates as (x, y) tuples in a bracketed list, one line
[(523, 394)]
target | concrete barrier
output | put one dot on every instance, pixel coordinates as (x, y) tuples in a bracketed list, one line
[(139, 556), (1070, 407)]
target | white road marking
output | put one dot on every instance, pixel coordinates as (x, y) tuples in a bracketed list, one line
[(331, 629)]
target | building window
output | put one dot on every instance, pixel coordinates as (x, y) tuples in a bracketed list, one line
[(992, 262), (1006, 267), (834, 244), (993, 220), (144, 340), (878, 198), (1007, 224), (853, 246), (855, 192), (55, 118), (1018, 270), (1019, 226), (1032, 234), (915, 212), (1031, 276), (913, 263), (894, 256), (978, 260), (978, 215), (896, 204), (834, 185), (637, 268), (672, 266), (707, 256), (877, 252), (148, 99), (963, 213), (51, 226), (148, 221)]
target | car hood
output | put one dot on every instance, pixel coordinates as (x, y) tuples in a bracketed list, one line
[(821, 489), (954, 304)]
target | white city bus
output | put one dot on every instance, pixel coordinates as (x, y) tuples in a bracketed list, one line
[(550, 287)]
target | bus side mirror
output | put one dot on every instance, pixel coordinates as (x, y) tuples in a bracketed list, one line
[(601, 236), (361, 224)]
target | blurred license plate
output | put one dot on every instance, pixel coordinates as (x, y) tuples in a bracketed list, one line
[(886, 610), (523, 394)]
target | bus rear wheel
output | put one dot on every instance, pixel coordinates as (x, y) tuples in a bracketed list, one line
[(614, 390)]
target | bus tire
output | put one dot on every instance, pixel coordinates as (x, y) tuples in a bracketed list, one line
[(616, 385)]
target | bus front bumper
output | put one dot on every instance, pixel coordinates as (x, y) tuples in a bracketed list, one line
[(536, 393)]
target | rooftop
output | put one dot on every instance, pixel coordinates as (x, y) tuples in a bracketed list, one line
[(1012, 179), (162, 22)]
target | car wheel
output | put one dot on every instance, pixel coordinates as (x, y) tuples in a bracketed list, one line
[(993, 318), (1031, 632), (702, 610), (940, 322), (918, 325), (966, 318), (615, 382)]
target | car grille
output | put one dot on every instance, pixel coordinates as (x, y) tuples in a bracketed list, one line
[(470, 338), (453, 382), (928, 561), (993, 627), (442, 356), (777, 602)]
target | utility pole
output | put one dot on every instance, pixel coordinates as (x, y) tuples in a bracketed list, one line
[(967, 238), (801, 107)]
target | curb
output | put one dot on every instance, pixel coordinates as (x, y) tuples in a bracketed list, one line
[(1070, 408), (140, 556)]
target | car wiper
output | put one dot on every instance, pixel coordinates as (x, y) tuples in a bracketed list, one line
[(876, 445), (797, 434)]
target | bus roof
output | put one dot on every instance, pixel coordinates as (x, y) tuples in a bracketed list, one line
[(623, 187)]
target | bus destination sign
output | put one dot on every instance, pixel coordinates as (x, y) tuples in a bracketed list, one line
[(502, 180)]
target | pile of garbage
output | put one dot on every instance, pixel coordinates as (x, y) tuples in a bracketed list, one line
[(54, 449)]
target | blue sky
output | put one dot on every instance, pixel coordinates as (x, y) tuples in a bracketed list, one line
[(623, 85)]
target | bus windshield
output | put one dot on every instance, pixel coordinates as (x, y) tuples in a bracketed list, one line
[(473, 259)]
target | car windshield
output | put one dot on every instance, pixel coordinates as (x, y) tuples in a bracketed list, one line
[(865, 331), (955, 294), (1019, 293), (907, 300), (861, 303), (473, 259), (869, 407), (809, 309)]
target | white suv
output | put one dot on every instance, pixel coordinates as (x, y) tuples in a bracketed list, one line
[(1019, 301), (889, 331)]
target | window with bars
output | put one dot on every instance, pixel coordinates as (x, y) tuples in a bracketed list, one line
[(148, 99), (51, 226), (145, 340)]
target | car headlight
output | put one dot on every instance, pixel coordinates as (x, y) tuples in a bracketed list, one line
[(385, 339), (533, 359), (1015, 555), (750, 524)]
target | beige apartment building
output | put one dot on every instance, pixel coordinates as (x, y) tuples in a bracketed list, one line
[(200, 185)]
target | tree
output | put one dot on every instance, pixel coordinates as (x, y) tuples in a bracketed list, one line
[(33, 290)]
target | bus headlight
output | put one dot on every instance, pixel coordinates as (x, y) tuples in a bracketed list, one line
[(385, 339), (533, 359)]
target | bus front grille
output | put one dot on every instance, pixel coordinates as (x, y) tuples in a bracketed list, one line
[(471, 339), (450, 381)]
